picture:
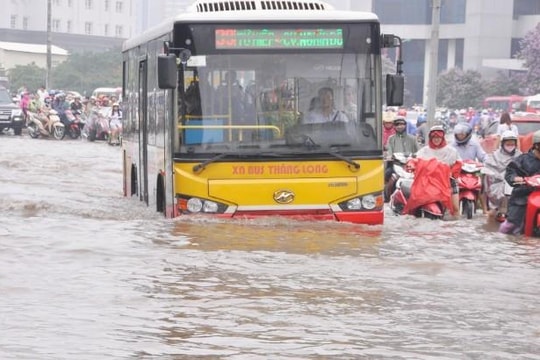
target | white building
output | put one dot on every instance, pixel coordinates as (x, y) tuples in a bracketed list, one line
[(77, 25), (110, 18), (12, 54)]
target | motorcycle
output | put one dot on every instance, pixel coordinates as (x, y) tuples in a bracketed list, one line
[(532, 212), (397, 163), (97, 126), (73, 124), (401, 197), (469, 184), (46, 123)]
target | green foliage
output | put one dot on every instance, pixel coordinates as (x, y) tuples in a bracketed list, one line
[(87, 71), (459, 89), (80, 72), (503, 84), (30, 76)]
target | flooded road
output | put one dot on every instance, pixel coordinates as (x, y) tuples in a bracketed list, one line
[(88, 274)]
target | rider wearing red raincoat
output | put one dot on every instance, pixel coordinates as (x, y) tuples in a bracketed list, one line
[(436, 165)]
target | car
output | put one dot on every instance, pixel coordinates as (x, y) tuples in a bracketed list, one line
[(527, 124), (11, 115)]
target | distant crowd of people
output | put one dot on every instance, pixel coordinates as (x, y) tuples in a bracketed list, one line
[(59, 100)]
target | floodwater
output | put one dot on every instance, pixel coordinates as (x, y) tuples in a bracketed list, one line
[(88, 274)]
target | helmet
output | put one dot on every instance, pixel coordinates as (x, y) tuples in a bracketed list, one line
[(400, 119), (402, 112), (421, 119), (462, 128), (388, 116), (536, 137), (508, 135), (437, 128)]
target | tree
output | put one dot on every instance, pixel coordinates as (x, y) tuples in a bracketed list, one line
[(503, 84), (459, 89), (80, 72), (87, 71), (530, 53), (30, 76)]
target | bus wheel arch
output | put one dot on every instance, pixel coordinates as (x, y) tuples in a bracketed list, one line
[(160, 194), (134, 182)]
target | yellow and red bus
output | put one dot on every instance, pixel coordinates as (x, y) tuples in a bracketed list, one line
[(216, 103)]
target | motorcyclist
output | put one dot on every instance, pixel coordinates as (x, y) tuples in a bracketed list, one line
[(60, 104), (439, 149), (400, 142), (524, 165), (388, 127), (76, 106), (494, 170), (115, 124), (467, 147), (422, 129)]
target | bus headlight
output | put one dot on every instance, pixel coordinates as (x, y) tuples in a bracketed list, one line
[(194, 205), (354, 204), (369, 202), (210, 207), (363, 203)]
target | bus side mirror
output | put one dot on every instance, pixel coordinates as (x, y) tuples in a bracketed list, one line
[(395, 88), (167, 71)]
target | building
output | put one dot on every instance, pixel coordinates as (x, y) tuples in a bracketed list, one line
[(12, 54), (76, 25), (152, 12), (481, 35)]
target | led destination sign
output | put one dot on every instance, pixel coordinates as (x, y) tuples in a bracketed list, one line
[(230, 38)]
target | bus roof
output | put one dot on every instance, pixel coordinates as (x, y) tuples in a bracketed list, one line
[(224, 11), (504, 97), (534, 97)]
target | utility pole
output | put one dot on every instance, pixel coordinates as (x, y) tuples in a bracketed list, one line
[(433, 62), (49, 41)]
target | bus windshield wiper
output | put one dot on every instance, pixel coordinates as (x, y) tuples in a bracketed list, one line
[(344, 158), (200, 167)]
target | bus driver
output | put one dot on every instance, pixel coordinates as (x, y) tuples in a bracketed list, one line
[(323, 109)]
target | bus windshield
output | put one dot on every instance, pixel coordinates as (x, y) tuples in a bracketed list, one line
[(299, 100)]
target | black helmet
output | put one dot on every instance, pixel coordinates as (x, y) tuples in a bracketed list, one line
[(462, 128)]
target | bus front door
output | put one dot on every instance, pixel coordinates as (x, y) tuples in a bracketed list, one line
[(143, 133)]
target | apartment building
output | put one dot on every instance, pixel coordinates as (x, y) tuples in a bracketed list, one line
[(76, 25)]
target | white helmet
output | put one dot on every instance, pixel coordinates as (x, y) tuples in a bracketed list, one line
[(536, 137), (508, 135)]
